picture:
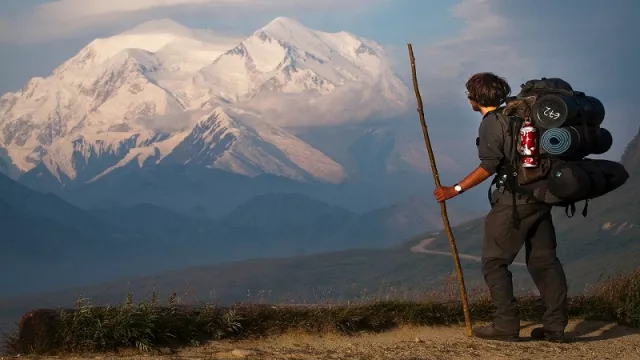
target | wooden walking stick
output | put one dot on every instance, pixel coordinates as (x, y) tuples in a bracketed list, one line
[(443, 207)]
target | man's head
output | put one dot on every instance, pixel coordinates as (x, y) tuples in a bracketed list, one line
[(486, 90)]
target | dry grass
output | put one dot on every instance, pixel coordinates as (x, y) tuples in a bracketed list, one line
[(149, 325)]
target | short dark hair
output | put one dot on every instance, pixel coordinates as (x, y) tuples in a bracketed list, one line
[(487, 89)]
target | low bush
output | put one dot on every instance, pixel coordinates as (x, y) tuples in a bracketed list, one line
[(148, 326)]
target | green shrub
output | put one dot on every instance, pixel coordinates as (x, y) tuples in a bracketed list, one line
[(148, 326)]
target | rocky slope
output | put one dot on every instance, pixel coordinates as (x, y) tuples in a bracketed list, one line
[(631, 156)]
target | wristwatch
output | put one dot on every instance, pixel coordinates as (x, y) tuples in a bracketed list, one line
[(458, 188)]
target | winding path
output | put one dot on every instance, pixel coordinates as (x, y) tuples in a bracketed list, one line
[(422, 248)]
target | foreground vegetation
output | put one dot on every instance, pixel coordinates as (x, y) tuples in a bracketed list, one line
[(149, 325)]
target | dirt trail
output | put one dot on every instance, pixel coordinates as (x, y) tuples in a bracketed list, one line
[(422, 248), (590, 340)]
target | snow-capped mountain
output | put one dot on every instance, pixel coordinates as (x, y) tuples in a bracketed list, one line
[(163, 93)]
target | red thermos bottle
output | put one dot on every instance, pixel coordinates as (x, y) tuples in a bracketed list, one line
[(528, 144)]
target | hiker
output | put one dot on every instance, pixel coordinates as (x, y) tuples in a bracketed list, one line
[(486, 92)]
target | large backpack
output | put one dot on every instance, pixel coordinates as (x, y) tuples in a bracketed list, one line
[(568, 126)]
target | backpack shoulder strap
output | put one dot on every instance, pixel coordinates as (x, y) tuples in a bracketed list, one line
[(510, 168)]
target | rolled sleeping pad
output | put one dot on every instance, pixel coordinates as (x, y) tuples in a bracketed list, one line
[(603, 141), (585, 179), (558, 110), (557, 141), (571, 141)]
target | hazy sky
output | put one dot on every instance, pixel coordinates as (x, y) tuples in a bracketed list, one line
[(37, 35), (590, 43)]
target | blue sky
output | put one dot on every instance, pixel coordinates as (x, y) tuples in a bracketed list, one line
[(590, 43), (390, 22)]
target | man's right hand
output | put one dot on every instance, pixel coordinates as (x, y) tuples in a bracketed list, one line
[(444, 193)]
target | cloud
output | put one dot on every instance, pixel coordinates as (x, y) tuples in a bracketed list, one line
[(67, 18), (593, 46), (348, 104), (483, 45), (77, 9)]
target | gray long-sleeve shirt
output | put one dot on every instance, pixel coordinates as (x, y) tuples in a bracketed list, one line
[(494, 150), (493, 146)]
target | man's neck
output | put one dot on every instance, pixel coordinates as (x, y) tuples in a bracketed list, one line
[(485, 110)]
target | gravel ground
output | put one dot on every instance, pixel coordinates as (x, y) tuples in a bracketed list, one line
[(589, 340)]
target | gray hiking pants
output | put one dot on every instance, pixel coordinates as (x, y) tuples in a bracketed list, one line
[(502, 242)]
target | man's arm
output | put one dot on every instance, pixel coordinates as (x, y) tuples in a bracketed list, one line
[(476, 177), (490, 152)]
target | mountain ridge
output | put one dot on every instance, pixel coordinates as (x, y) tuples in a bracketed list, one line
[(53, 243), (595, 252), (105, 107)]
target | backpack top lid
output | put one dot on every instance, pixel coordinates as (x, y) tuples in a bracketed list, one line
[(521, 105), (532, 86)]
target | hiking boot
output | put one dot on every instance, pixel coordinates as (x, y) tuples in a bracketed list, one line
[(490, 332), (542, 334)]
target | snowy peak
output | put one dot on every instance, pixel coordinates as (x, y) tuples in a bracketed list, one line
[(287, 57), (293, 33), (319, 46), (98, 101), (172, 42), (282, 25), (100, 51), (224, 140), (162, 92)]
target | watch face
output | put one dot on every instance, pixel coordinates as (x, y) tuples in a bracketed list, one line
[(458, 188)]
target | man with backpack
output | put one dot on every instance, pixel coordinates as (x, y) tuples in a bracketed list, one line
[(515, 219)]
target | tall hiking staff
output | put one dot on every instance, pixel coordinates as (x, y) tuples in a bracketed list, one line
[(443, 207)]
